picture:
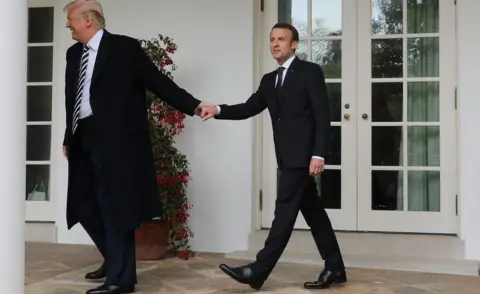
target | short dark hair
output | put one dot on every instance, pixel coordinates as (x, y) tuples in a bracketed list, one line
[(292, 29)]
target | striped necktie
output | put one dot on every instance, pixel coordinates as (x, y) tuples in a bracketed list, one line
[(81, 82)]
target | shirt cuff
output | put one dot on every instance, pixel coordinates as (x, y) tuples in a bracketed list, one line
[(318, 157), (218, 110)]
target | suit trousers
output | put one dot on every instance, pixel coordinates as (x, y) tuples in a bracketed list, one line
[(297, 191), (116, 245)]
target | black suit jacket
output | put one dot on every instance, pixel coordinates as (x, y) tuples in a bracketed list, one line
[(299, 113), (121, 75)]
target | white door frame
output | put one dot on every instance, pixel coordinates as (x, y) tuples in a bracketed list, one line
[(356, 213)]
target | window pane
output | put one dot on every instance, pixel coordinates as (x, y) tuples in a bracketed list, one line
[(301, 51), (387, 58), (387, 146), (423, 57), (335, 96), (423, 102), (39, 103), (424, 146), (387, 16), (38, 143), (40, 64), (294, 12), (328, 54), (326, 18), (424, 191), (40, 25), (423, 16), (38, 180), (387, 190), (387, 102)]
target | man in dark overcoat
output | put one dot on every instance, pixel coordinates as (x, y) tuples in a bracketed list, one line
[(112, 184)]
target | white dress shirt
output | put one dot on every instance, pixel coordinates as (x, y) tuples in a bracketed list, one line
[(93, 44), (286, 65)]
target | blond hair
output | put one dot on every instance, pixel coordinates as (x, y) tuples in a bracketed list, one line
[(88, 8)]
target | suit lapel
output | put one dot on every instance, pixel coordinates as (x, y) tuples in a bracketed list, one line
[(102, 56)]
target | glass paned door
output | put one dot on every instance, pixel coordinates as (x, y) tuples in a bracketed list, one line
[(406, 173), (327, 31), (39, 206)]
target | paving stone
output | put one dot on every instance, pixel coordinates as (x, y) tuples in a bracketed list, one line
[(60, 269)]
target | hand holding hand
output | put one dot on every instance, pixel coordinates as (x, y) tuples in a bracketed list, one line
[(198, 110), (206, 111), (317, 166)]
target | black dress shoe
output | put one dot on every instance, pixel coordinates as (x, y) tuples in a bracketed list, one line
[(326, 279), (111, 289), (98, 274), (244, 275)]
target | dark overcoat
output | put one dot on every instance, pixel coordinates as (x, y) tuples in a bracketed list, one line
[(121, 74)]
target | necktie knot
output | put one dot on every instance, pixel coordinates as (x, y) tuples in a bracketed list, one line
[(280, 70)]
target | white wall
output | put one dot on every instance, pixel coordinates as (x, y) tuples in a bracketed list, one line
[(468, 75), (215, 56)]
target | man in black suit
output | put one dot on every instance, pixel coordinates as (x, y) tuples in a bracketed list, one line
[(296, 97), (112, 183)]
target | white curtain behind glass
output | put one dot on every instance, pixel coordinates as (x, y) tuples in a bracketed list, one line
[(423, 105)]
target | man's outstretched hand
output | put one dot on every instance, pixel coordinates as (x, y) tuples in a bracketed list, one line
[(206, 111)]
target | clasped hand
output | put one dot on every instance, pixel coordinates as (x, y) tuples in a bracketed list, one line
[(206, 111)]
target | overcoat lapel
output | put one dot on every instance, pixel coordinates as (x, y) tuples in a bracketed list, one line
[(73, 72)]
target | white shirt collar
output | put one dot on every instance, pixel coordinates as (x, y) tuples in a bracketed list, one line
[(287, 63), (94, 42)]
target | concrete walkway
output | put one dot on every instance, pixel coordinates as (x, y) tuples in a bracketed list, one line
[(59, 269)]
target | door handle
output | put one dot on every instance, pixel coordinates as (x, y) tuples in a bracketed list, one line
[(364, 116), (346, 116)]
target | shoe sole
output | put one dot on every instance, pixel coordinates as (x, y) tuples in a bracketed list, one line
[(94, 279), (127, 291), (255, 287), (335, 283)]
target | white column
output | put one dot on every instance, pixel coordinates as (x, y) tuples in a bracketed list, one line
[(13, 74), (468, 47)]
